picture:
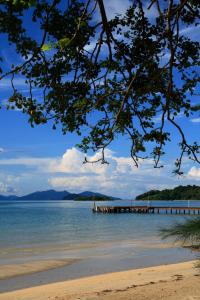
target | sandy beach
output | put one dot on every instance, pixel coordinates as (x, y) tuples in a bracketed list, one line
[(13, 270), (174, 282)]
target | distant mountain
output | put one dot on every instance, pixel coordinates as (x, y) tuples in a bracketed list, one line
[(11, 197), (189, 192), (87, 195), (62, 195), (46, 195)]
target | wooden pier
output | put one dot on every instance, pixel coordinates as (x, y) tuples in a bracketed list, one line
[(147, 210)]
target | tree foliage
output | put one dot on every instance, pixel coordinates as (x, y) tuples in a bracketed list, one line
[(189, 192), (187, 232), (111, 76)]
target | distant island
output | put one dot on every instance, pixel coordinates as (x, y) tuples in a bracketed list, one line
[(61, 195), (95, 198), (90, 196), (189, 192)]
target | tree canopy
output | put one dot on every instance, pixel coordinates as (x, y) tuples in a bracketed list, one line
[(188, 233), (189, 192), (130, 75)]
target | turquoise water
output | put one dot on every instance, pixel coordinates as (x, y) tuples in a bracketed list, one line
[(32, 230), (36, 223)]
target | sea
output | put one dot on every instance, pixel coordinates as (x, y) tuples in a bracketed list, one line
[(99, 243)]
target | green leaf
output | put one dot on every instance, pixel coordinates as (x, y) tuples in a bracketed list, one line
[(64, 42), (26, 3), (32, 3), (46, 47), (83, 24)]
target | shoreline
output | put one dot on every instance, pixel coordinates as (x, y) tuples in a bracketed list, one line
[(31, 267), (173, 281), (87, 261)]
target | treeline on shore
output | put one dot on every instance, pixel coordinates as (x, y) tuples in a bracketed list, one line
[(189, 192)]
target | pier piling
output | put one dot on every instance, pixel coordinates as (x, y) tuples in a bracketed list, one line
[(147, 210)]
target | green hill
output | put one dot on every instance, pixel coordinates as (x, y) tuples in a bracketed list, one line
[(94, 198), (91, 196), (189, 192), (60, 195)]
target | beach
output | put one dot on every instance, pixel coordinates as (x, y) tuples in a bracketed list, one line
[(59, 250), (13, 270), (173, 281)]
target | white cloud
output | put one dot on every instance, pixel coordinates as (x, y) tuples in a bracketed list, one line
[(120, 178), (1, 149), (40, 163), (158, 118), (192, 32), (103, 184), (151, 13), (72, 163), (18, 82), (3, 187), (194, 172), (5, 102), (195, 120), (7, 184), (116, 7)]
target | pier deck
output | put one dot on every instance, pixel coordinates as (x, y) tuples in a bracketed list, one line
[(147, 210)]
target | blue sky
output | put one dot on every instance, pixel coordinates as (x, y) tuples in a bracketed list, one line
[(41, 158)]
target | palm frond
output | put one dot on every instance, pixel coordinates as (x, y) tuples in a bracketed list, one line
[(188, 231)]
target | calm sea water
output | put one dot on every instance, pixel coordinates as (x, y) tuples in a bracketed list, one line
[(39, 223), (32, 230)]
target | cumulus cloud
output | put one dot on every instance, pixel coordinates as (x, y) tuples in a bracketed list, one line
[(194, 172), (120, 178), (6, 189), (8, 183), (72, 163)]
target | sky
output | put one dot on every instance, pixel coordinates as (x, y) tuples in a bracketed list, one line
[(41, 158)]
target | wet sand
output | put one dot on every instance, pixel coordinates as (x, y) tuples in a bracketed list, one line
[(13, 270), (31, 267), (175, 282)]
